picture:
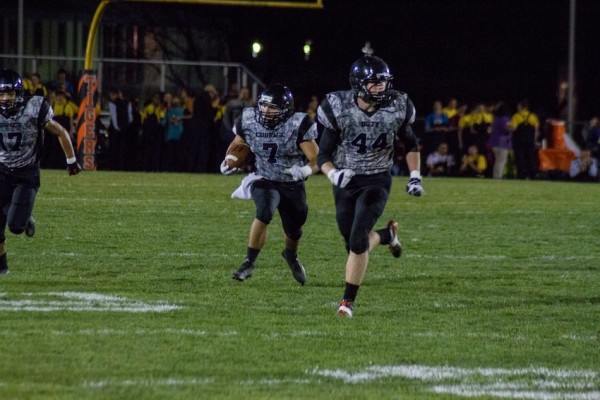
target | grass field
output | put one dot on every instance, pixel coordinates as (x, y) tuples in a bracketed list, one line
[(125, 292)]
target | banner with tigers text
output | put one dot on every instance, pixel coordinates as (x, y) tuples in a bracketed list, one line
[(86, 120)]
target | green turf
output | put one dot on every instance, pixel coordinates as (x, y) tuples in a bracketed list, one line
[(497, 294)]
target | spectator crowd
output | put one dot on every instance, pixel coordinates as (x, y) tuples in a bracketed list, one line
[(493, 141), (189, 131)]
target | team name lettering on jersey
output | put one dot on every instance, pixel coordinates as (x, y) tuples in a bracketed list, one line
[(373, 124), (270, 134)]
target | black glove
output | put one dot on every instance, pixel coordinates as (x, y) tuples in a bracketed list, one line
[(73, 168)]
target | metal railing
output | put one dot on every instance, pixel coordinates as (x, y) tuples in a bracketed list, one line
[(140, 77)]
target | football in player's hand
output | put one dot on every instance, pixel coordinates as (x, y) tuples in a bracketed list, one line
[(238, 156)]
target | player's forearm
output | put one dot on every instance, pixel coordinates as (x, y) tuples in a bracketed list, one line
[(63, 136), (413, 161), (65, 142)]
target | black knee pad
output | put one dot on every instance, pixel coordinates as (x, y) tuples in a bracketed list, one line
[(359, 243), (265, 200), (17, 230), (295, 235), (264, 215)]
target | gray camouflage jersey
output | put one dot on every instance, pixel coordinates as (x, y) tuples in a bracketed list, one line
[(365, 141), (19, 135), (276, 149)]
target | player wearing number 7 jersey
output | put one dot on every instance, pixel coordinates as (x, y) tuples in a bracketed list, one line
[(283, 142), (22, 121), (358, 128)]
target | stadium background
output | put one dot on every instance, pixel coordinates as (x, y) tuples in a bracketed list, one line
[(473, 50)]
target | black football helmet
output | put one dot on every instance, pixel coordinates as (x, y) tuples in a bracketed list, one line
[(10, 81), (278, 97), (371, 69)]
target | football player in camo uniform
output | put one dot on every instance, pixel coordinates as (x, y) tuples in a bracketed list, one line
[(22, 122), (358, 128), (285, 150)]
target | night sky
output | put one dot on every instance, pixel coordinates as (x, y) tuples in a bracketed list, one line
[(475, 50)]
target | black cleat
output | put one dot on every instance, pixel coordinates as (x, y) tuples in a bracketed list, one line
[(297, 269), (245, 271), (30, 227)]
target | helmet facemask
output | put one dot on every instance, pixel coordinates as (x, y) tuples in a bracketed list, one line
[(270, 115), (371, 69), (274, 106), (381, 97), (11, 92), (8, 101)]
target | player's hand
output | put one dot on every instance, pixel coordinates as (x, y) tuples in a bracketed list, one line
[(414, 187), (226, 170), (73, 168), (340, 177), (299, 173)]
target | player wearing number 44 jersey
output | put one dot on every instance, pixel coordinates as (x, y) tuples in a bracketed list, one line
[(358, 128), (22, 121), (283, 143)]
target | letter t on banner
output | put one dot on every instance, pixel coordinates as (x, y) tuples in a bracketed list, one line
[(86, 120)]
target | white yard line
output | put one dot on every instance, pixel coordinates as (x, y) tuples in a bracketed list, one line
[(77, 301), (533, 383), (140, 382)]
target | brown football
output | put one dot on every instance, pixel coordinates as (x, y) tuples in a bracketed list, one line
[(239, 156)]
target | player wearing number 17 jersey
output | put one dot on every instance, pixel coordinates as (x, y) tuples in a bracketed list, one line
[(22, 122), (283, 143), (358, 128)]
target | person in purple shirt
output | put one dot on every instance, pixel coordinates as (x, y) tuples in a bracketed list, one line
[(500, 139)]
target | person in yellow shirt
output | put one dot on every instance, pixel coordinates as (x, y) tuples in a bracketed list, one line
[(525, 128), (455, 115), (34, 86), (473, 163), (65, 114), (479, 128), (464, 129), (451, 109), (152, 133), (63, 107)]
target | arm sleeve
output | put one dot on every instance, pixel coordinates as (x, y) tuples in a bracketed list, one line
[(406, 133), (327, 144), (46, 113), (237, 128), (409, 139), (305, 127)]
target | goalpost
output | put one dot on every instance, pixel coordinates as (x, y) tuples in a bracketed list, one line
[(89, 83)]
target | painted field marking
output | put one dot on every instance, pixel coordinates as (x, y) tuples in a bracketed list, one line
[(533, 383), (78, 301), (118, 332), (150, 382), (547, 257)]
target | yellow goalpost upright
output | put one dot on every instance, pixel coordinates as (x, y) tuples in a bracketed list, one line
[(89, 83)]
